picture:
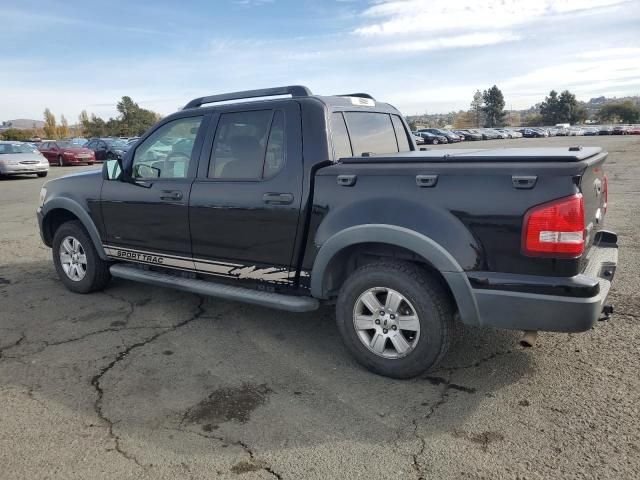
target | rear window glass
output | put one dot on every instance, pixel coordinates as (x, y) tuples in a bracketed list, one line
[(341, 144), (371, 133), (401, 134)]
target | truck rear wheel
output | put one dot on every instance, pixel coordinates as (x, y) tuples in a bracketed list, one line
[(395, 318), (76, 260)]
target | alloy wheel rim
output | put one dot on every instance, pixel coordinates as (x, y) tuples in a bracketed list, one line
[(386, 323), (73, 258)]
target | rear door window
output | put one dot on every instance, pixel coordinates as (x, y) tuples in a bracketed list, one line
[(401, 134), (341, 144), (240, 146), (371, 132)]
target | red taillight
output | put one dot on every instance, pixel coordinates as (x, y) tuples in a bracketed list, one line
[(555, 229), (605, 192)]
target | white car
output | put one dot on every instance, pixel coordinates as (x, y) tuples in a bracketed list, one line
[(17, 158), (575, 132)]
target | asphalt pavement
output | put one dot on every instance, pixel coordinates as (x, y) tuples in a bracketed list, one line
[(141, 382)]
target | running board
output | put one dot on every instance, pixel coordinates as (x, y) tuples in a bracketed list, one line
[(278, 301)]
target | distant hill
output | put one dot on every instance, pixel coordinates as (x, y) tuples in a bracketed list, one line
[(22, 124)]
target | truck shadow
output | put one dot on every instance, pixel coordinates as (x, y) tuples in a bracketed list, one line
[(165, 367)]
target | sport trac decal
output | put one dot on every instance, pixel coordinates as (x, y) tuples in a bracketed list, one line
[(281, 275)]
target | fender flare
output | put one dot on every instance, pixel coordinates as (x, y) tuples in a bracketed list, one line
[(74, 207), (411, 240)]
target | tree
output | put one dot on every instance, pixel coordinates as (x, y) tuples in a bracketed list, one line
[(83, 121), (476, 108), (625, 112), (464, 120), (15, 134), (63, 128), (493, 107), (133, 120), (563, 108), (50, 130)]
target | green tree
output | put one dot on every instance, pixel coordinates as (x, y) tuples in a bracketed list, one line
[(50, 130), (569, 111), (493, 107), (133, 119), (476, 108), (550, 109), (625, 112)]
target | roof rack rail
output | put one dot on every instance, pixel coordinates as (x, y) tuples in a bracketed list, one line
[(361, 95), (293, 90)]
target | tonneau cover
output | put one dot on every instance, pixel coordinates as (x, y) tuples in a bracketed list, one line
[(544, 154)]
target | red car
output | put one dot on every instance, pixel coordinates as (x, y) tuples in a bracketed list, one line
[(633, 131), (66, 153)]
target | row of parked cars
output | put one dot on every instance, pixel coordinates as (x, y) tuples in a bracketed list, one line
[(18, 158), (434, 136)]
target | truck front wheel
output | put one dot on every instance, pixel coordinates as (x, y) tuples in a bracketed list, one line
[(76, 260), (395, 318)]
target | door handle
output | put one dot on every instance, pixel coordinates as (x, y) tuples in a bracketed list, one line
[(278, 198), (171, 195)]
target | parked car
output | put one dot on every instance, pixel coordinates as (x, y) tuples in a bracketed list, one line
[(431, 139), (107, 148), (17, 158), (132, 140), (605, 130), (227, 218), (64, 153), (489, 134), (533, 133), (417, 138), (449, 135), (635, 130), (575, 132), (620, 130), (468, 135), (591, 131), (501, 135), (503, 131)]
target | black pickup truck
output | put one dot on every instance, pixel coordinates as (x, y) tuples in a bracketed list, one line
[(289, 200)]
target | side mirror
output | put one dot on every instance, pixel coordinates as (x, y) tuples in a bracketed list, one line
[(112, 169)]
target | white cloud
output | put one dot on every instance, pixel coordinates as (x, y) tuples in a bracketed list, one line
[(392, 17)]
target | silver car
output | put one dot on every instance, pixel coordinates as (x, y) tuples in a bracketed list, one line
[(17, 158)]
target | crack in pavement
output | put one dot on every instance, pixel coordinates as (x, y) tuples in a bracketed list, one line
[(12, 345), (47, 344), (443, 398), (475, 364), (260, 464), (95, 380)]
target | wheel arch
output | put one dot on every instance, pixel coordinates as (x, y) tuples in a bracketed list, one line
[(331, 267), (61, 210)]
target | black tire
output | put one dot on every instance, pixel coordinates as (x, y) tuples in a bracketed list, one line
[(42, 174), (61, 161), (97, 274), (428, 298)]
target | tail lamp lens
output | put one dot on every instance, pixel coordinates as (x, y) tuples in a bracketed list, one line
[(555, 229)]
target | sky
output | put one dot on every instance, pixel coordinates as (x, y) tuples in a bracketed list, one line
[(423, 56)]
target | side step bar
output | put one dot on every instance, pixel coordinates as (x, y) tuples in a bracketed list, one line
[(278, 301)]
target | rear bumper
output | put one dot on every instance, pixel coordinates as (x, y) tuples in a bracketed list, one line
[(557, 304)]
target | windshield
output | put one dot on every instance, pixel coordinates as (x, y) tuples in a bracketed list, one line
[(116, 143), (16, 148), (67, 145)]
